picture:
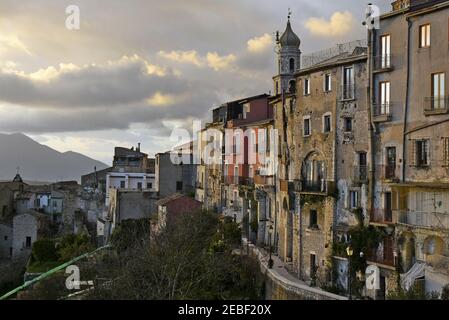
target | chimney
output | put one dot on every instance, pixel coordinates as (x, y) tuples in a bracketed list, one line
[(138, 147)]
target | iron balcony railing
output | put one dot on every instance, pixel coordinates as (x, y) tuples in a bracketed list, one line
[(347, 92), (383, 216), (383, 254), (383, 110), (431, 220), (388, 172), (314, 186), (383, 61), (438, 104), (360, 174)]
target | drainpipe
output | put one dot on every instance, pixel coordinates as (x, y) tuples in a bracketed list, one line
[(369, 98), (407, 91)]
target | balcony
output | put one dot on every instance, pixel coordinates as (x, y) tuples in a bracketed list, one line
[(436, 105), (388, 172), (425, 220), (360, 174), (347, 92), (382, 112), (382, 63), (381, 216), (383, 254), (323, 187), (264, 180)]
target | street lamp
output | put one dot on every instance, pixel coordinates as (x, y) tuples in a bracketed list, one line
[(270, 260), (350, 252)]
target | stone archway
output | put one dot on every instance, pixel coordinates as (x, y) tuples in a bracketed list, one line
[(433, 245)]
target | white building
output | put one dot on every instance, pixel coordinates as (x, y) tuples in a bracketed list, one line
[(129, 181)]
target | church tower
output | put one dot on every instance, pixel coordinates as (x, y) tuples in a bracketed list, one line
[(289, 59)]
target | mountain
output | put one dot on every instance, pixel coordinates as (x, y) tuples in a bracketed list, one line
[(41, 163)]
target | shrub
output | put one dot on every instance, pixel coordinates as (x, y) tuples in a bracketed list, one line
[(44, 250)]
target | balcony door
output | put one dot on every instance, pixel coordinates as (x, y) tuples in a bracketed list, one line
[(348, 83), (384, 98), (388, 209), (390, 168), (438, 99), (385, 47)]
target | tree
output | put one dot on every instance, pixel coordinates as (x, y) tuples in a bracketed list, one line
[(190, 259)]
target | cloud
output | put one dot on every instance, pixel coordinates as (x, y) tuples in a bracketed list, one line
[(218, 63), (10, 42), (260, 44), (130, 79), (339, 24), (212, 59), (190, 56)]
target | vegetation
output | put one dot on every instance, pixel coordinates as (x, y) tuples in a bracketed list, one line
[(415, 292), (47, 254), (191, 259)]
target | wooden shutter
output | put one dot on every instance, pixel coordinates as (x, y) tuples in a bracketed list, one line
[(412, 152), (446, 151)]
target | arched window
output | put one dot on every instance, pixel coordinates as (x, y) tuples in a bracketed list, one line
[(292, 65), (292, 86)]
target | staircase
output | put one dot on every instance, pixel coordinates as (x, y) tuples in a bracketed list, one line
[(415, 272)]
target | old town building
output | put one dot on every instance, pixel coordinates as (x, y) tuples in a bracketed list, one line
[(410, 116)]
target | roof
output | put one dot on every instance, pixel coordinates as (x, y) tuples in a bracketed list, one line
[(289, 37), (17, 178), (173, 197)]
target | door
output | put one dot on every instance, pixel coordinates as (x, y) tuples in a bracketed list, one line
[(363, 165), (385, 51), (388, 207), (391, 163)]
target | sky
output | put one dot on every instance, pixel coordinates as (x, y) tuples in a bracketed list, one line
[(137, 69)]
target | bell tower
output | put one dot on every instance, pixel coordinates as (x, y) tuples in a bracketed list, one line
[(288, 59)]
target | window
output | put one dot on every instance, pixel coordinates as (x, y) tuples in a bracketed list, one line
[(139, 185), (246, 110), (327, 82), (313, 219), (384, 99), (307, 129), (6, 238), (348, 83), (390, 168), (438, 99), (28, 242), (446, 151), (292, 86), (385, 47), (348, 124), (122, 184), (292, 65), (178, 185), (354, 199), (149, 185), (306, 87), (424, 36), (327, 123), (55, 204), (422, 153)]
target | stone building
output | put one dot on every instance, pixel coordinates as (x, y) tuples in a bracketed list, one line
[(5, 241), (410, 115), (283, 103), (330, 157), (176, 171), (27, 229)]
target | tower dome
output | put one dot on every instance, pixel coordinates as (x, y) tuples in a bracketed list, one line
[(289, 38)]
